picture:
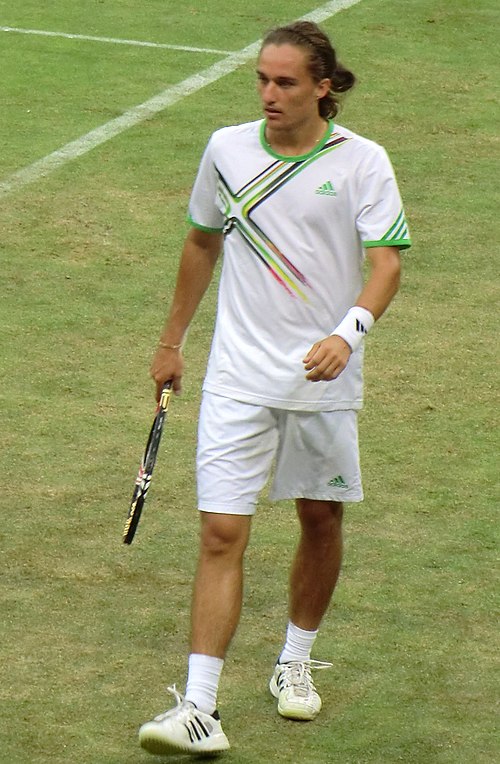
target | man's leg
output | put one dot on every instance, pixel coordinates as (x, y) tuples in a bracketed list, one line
[(216, 607), (314, 574), (218, 583), (317, 562), (193, 726)]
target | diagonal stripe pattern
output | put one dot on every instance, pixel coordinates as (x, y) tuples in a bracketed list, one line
[(239, 206)]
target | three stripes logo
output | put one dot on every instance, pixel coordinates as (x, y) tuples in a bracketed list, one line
[(360, 327), (326, 189), (398, 233), (198, 728)]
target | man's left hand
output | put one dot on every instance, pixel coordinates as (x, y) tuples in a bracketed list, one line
[(327, 359)]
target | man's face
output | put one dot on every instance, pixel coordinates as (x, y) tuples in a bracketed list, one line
[(288, 92)]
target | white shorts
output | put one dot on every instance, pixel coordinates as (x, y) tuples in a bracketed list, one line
[(315, 453)]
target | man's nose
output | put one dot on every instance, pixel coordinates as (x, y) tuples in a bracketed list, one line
[(269, 92)]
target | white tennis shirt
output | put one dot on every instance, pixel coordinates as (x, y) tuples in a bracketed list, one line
[(295, 229)]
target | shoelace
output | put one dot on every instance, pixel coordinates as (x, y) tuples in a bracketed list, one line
[(181, 704), (297, 674)]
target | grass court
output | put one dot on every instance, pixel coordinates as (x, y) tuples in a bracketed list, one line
[(93, 631)]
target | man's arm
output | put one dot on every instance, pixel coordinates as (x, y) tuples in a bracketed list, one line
[(328, 357), (199, 255)]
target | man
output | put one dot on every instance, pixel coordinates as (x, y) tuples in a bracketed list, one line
[(296, 202)]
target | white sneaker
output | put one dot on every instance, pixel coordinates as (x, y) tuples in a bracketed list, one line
[(294, 688), (183, 729)]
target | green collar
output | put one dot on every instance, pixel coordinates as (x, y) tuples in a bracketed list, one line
[(299, 157)]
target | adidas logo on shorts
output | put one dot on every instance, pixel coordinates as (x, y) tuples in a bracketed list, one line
[(338, 482)]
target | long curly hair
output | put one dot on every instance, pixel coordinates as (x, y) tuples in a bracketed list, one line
[(323, 63)]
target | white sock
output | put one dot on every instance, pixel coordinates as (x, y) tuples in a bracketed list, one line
[(298, 644), (203, 681)]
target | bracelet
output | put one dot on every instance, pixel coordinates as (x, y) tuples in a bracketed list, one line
[(167, 346), (356, 323)]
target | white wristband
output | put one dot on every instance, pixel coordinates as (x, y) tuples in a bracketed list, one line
[(356, 323)]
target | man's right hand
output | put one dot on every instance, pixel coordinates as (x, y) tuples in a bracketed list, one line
[(167, 364)]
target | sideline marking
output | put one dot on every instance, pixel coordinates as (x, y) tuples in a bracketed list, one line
[(143, 111), (114, 40)]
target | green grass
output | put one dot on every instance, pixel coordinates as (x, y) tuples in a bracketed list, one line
[(94, 631)]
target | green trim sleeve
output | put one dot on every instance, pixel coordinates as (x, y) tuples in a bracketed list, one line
[(401, 243), (203, 227)]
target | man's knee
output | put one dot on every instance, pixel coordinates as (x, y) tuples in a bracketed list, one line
[(224, 535), (320, 517)]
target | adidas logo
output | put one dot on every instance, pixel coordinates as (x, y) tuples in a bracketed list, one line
[(326, 189), (360, 327), (338, 482)]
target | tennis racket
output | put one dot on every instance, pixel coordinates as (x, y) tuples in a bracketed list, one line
[(143, 480)]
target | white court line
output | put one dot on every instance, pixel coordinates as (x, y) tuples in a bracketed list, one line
[(143, 111), (114, 40)]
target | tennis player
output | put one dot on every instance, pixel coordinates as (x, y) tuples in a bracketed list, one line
[(295, 202)]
